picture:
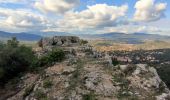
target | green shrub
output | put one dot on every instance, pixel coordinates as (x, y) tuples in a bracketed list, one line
[(40, 95), (14, 59), (163, 72), (47, 83), (56, 55), (115, 62), (83, 42), (13, 42), (1, 45), (90, 96)]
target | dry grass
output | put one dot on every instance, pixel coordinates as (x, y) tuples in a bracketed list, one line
[(107, 45)]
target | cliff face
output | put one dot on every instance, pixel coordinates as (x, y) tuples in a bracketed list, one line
[(87, 75)]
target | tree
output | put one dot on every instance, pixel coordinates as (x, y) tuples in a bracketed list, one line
[(13, 42)]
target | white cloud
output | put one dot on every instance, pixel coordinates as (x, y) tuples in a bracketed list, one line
[(17, 1), (129, 29), (95, 16), (148, 10), (23, 20), (56, 6), (9, 1)]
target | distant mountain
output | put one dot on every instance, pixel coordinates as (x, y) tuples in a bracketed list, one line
[(20, 36), (134, 38), (50, 34)]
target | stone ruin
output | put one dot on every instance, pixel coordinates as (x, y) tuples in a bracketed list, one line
[(59, 41)]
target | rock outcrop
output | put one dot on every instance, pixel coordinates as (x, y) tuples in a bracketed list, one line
[(59, 41)]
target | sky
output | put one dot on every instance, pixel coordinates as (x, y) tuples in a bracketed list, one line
[(85, 16)]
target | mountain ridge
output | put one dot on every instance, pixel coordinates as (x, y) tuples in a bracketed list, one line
[(115, 36), (20, 36)]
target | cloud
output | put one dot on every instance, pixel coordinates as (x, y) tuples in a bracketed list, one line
[(148, 10), (66, 16), (16, 1), (9, 1), (129, 29), (95, 16), (21, 19), (59, 6)]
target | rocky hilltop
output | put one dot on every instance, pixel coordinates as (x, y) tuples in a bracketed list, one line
[(88, 74), (59, 41)]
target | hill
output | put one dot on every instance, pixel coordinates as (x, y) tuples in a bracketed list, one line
[(85, 74), (20, 36), (80, 72)]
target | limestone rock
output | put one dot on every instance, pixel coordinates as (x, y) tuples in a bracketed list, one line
[(163, 96), (123, 67), (59, 41)]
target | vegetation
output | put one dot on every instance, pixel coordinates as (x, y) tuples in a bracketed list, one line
[(14, 59), (40, 95), (75, 78), (164, 71), (47, 83), (115, 62), (83, 42), (56, 55), (121, 80), (90, 96)]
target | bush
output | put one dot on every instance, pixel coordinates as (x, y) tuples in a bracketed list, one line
[(83, 42), (163, 72), (40, 95), (1, 45), (14, 59), (13, 42), (90, 96), (115, 62), (56, 55), (47, 83)]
